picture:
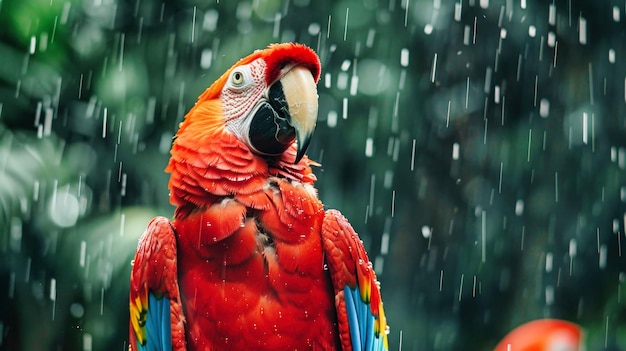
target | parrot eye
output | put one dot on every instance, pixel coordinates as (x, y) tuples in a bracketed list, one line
[(237, 78)]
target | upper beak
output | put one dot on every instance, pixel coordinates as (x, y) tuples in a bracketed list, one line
[(301, 98)]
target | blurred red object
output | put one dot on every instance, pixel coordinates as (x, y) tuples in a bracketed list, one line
[(543, 335)]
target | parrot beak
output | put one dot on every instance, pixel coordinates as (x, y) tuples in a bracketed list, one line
[(288, 113), (301, 99)]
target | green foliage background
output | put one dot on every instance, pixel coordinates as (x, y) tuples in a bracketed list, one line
[(478, 146)]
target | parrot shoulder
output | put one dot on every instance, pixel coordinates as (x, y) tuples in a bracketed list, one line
[(156, 314), (360, 314)]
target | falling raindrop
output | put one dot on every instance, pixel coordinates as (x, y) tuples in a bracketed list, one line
[(33, 45), (83, 252), (455, 151), (461, 287), (53, 295), (549, 295), (331, 119), (612, 55), (369, 147), (549, 262), (428, 29), (582, 30), (345, 29), (87, 342), (209, 22), (602, 257), (206, 58), (616, 14)]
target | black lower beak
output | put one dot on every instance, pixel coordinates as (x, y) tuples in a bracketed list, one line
[(288, 114), (271, 132)]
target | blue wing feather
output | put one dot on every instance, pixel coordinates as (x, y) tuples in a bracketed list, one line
[(361, 322), (369, 331), (353, 311), (158, 325)]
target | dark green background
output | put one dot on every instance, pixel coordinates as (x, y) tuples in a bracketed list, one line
[(493, 193)]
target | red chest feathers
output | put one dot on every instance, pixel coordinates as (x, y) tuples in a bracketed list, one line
[(257, 274)]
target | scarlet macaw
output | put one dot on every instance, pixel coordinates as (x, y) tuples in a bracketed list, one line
[(252, 261)]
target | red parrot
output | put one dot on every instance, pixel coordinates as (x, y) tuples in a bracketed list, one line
[(252, 260), (543, 335)]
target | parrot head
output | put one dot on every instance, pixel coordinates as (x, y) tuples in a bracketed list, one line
[(268, 100)]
